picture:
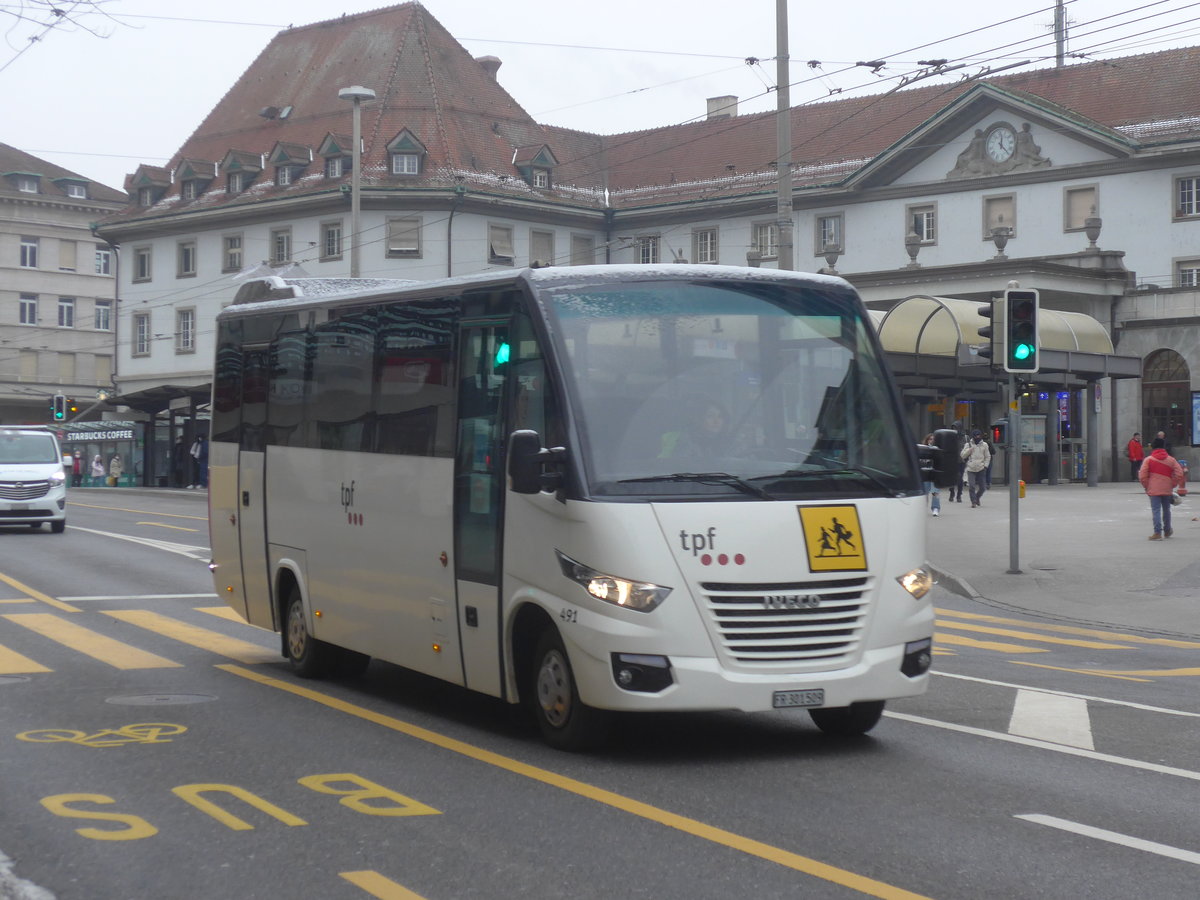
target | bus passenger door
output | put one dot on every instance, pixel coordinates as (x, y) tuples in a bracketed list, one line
[(251, 499), (478, 501)]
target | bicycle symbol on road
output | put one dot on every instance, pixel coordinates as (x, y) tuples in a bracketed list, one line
[(147, 733)]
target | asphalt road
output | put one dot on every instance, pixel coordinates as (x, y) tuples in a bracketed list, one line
[(151, 746)]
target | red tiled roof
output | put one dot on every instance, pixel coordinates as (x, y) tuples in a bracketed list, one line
[(14, 160)]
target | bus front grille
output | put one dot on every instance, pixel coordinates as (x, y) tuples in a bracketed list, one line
[(23, 490), (789, 622)]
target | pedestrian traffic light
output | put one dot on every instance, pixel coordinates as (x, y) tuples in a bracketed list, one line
[(987, 332), (1020, 331), (60, 407)]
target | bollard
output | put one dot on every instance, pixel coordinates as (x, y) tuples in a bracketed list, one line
[(1021, 489)]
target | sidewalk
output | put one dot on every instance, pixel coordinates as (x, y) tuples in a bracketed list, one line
[(1083, 552)]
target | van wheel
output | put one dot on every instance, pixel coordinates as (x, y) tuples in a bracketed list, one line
[(848, 721), (59, 527), (310, 658), (566, 722)]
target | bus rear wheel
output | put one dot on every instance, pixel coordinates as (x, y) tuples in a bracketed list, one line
[(310, 658), (565, 721), (848, 721)]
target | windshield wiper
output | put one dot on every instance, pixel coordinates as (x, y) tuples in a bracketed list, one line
[(705, 478), (871, 475)]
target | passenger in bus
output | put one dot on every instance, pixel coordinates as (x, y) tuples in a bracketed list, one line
[(705, 437)]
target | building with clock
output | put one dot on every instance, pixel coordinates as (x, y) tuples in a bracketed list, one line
[(1079, 181)]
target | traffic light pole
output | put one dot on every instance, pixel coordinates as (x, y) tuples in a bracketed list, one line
[(1014, 475)]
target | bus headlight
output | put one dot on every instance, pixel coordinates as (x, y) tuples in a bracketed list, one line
[(918, 582), (639, 595)]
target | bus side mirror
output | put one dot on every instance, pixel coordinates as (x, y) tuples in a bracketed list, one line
[(527, 459), (945, 471)]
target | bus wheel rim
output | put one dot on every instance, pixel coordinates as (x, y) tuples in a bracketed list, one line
[(297, 632), (554, 688)]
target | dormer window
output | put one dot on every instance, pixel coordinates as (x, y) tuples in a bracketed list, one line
[(535, 163), (336, 166), (190, 189), (237, 182), (28, 184), (76, 190), (541, 178), (284, 175), (145, 196), (406, 164)]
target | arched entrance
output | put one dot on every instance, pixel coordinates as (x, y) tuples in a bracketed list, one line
[(1167, 398)]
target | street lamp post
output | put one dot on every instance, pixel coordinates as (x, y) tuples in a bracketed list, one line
[(358, 94)]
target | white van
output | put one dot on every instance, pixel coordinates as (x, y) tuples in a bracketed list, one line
[(33, 483)]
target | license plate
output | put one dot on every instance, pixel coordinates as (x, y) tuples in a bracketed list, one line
[(787, 699), (19, 507)]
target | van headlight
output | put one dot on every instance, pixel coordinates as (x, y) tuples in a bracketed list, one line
[(639, 595), (57, 477), (918, 582)]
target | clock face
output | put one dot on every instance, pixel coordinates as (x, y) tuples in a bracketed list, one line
[(1001, 142)]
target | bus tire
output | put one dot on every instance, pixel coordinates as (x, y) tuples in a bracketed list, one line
[(566, 722), (848, 721), (310, 658)]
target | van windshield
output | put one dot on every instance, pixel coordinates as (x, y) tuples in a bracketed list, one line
[(27, 448), (740, 389)]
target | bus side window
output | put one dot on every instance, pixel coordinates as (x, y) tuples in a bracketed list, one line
[(534, 403)]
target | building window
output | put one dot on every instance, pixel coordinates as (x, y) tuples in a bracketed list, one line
[(104, 315), (335, 167), (27, 184), (500, 245), (237, 182), (186, 259), (285, 175), (66, 312), (331, 240), (541, 248), (647, 249), (29, 253), (1079, 203), (828, 234), (404, 238), (231, 253), (281, 245), (185, 331), (67, 251), (141, 264), (29, 312), (141, 334), (764, 238), (999, 212), (922, 221), (145, 196), (406, 164), (103, 261), (190, 190), (76, 190), (583, 250), (541, 178), (1187, 273), (704, 245), (1187, 196)]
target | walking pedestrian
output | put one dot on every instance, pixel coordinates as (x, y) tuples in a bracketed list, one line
[(97, 470), (115, 469), (77, 469), (931, 488), (976, 456), (1135, 453), (1160, 475), (957, 486)]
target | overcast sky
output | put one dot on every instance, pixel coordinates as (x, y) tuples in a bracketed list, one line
[(102, 92)]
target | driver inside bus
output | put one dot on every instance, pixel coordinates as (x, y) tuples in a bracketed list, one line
[(705, 437)]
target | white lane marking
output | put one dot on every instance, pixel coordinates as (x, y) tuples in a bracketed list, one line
[(1111, 702), (133, 597), (1051, 717), (1046, 745), (190, 551), (1113, 837)]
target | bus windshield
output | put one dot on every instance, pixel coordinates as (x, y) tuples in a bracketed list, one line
[(728, 388)]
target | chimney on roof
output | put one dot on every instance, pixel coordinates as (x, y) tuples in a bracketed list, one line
[(490, 64), (722, 107)]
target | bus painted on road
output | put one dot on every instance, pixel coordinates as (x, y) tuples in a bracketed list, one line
[(586, 489)]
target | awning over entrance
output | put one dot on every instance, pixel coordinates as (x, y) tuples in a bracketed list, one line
[(157, 399)]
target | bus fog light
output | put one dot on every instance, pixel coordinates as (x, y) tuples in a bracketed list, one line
[(641, 672), (918, 582), (639, 595), (918, 657)]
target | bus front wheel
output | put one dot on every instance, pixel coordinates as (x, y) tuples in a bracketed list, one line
[(310, 658), (848, 721), (566, 722)]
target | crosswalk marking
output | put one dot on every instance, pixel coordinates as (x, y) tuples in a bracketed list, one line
[(13, 663), (223, 612), (941, 639), (92, 643), (1072, 629), (1051, 717), (1030, 636), (213, 641)]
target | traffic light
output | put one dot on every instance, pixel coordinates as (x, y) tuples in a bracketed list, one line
[(1020, 331), (72, 406), (60, 408), (987, 332)]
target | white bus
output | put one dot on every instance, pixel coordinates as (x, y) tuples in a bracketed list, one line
[(585, 489)]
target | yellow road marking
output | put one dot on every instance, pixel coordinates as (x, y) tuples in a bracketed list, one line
[(1097, 672), (961, 640), (20, 600), (378, 886), (140, 511), (13, 663), (38, 595), (223, 612), (694, 827), (1071, 629), (91, 643), (1030, 636), (215, 642), (165, 525)]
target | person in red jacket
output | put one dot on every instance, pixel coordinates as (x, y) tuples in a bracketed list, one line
[(1160, 475), (1135, 453)]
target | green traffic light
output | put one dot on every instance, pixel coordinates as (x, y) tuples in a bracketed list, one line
[(1022, 351)]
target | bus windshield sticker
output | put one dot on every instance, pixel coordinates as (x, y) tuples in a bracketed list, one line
[(833, 538)]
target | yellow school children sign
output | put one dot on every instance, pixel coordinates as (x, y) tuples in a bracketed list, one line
[(833, 538)]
